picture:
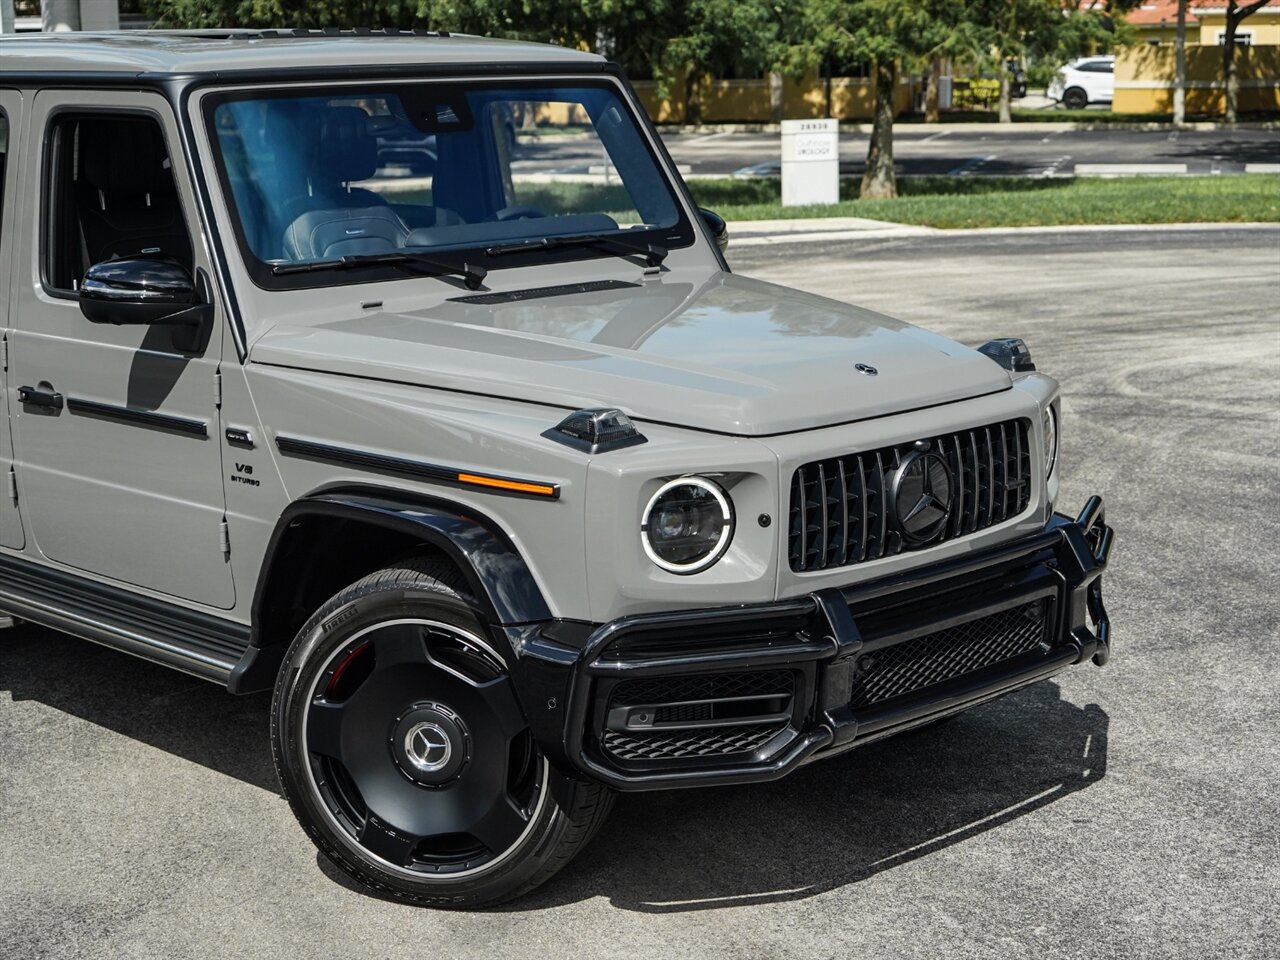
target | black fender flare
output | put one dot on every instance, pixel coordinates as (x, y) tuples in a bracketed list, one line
[(496, 573)]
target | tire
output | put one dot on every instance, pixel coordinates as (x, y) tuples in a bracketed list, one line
[(1075, 98), (403, 752)]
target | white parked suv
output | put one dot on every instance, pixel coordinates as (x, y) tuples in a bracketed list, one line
[(1085, 81)]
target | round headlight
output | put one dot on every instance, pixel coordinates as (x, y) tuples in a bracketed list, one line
[(687, 525), (1050, 440)]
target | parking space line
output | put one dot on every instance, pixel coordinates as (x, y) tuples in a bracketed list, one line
[(1054, 168), (966, 168), (936, 136), (708, 137)]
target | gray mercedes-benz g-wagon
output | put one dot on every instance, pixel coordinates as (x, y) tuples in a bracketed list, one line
[(325, 373)]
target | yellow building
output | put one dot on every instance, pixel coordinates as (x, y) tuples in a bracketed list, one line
[(1145, 71), (1156, 22), (761, 101), (1262, 29)]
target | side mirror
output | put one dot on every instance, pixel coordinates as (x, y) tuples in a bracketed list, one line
[(138, 290), (144, 290), (719, 229)]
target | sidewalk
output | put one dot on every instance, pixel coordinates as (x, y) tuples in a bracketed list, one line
[(752, 233), (756, 233), (1031, 126)]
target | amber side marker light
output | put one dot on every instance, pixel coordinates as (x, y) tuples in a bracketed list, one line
[(515, 486)]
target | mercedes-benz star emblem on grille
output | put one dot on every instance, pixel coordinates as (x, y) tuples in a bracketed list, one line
[(921, 496), (866, 368), (427, 747)]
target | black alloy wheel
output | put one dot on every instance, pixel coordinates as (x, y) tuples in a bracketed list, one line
[(402, 747)]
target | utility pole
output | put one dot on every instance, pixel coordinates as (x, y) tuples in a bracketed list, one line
[(1180, 57), (6, 16)]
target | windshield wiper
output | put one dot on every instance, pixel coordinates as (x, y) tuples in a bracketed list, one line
[(472, 276), (652, 253)]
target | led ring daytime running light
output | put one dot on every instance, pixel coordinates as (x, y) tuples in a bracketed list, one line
[(1050, 440), (726, 528)]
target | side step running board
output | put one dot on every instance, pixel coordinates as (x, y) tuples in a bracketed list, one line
[(196, 643)]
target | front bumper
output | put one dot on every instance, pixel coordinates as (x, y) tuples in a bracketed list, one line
[(751, 692)]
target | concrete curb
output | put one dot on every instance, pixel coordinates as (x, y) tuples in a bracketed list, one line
[(758, 233), (1036, 126)]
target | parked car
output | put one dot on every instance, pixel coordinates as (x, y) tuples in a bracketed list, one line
[(1017, 79), (1085, 81), (514, 496)]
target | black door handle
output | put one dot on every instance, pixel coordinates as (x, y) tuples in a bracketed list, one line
[(31, 397)]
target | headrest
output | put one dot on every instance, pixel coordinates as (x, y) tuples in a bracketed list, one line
[(125, 156), (345, 149)]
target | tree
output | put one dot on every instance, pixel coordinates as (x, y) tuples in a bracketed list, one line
[(888, 34), (538, 20), (1051, 31), (1236, 14), (717, 37)]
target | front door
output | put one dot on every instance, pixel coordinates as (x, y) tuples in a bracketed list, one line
[(116, 427)]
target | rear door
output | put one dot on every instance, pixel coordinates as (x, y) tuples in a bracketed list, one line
[(10, 131), (119, 462)]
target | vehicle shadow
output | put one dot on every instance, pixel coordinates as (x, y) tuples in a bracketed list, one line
[(843, 820), (187, 717), (826, 826)]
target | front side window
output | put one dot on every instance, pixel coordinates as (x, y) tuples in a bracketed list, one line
[(322, 182), (111, 195)]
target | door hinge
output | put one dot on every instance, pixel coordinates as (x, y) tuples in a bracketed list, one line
[(217, 389), (224, 538), (13, 486)]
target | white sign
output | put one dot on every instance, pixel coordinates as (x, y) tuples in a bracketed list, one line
[(810, 162)]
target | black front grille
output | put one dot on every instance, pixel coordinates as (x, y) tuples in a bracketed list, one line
[(914, 665), (840, 514)]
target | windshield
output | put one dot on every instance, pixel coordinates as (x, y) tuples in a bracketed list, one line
[(449, 171)]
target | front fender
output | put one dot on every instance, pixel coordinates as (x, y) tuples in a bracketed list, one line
[(496, 574)]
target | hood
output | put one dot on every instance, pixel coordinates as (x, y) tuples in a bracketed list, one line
[(730, 354)]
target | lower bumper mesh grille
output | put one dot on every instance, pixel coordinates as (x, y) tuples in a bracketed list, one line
[(675, 744), (934, 658), (714, 686), (691, 699)]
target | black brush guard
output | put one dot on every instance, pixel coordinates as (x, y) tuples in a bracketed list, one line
[(826, 642)]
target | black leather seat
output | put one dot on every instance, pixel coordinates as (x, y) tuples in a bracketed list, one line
[(337, 219), (126, 199)]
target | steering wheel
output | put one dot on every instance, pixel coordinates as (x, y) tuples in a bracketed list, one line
[(518, 212)]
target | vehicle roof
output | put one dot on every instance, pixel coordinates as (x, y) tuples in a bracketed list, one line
[(162, 52)]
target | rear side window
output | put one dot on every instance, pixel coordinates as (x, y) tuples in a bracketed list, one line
[(112, 195)]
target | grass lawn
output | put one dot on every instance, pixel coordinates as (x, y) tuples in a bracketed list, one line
[(1063, 115), (951, 202), (955, 202)]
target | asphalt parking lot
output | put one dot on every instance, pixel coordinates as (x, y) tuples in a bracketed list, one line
[(981, 151), (1123, 812)]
